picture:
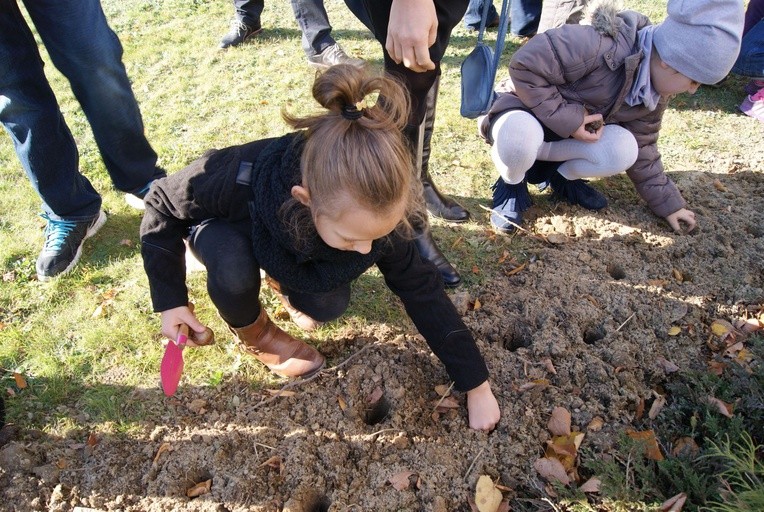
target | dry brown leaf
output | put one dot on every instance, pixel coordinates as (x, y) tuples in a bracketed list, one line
[(640, 409), (655, 409), (538, 383), (487, 496), (164, 447), (126, 242), (723, 407), (516, 270), (591, 485), (446, 403), (92, 440), (475, 269), (551, 470), (197, 406), (674, 330), (718, 185), (273, 462), (549, 366), (721, 327), (21, 382), (596, 424), (477, 305), (685, 446), (443, 390), (401, 481), (280, 392), (652, 450), (375, 395), (674, 504), (341, 401), (677, 275), (199, 489), (3, 325), (716, 367), (556, 238), (660, 283), (10, 392), (733, 349), (559, 422), (666, 365), (503, 257)]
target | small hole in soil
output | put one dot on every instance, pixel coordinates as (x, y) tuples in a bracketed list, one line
[(377, 412), (616, 271), (317, 504), (517, 335), (593, 334)]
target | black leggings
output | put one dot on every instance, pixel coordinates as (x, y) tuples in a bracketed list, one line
[(233, 276)]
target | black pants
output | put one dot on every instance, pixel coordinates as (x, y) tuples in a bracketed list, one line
[(233, 276), (375, 14)]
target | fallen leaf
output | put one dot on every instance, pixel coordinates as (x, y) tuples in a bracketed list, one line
[(273, 462), (551, 470), (596, 424), (591, 485), (10, 392), (557, 238), (516, 270), (674, 504), (657, 282), (164, 447), (199, 489), (21, 382), (197, 406), (97, 312), (685, 446), (549, 366), (280, 392), (559, 422), (343, 404), (677, 275), (92, 440), (640, 409), (503, 257), (375, 395), (446, 403), (674, 330), (443, 390), (718, 185), (538, 383), (126, 242), (733, 349), (721, 327), (401, 481), (487, 497), (655, 409), (723, 407), (716, 367), (477, 305), (666, 365), (647, 437)]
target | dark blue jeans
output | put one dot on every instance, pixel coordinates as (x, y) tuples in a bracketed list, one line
[(524, 15), (89, 55), (750, 62)]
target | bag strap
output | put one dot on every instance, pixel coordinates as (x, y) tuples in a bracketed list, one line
[(500, 37)]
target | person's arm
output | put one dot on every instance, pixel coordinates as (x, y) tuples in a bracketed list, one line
[(648, 175), (412, 30), (420, 288)]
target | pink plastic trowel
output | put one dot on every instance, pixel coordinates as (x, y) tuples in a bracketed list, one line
[(172, 362)]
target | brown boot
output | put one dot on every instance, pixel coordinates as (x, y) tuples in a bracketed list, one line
[(303, 321), (280, 352)]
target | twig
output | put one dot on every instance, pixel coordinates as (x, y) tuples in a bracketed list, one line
[(299, 382), (473, 463), (625, 322), (380, 431), (554, 507), (264, 445)]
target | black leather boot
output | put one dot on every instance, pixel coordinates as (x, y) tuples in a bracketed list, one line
[(437, 204), (430, 252)]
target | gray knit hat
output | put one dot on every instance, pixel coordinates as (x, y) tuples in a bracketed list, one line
[(701, 38)]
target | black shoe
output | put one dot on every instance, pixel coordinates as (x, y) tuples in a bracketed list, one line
[(430, 252), (63, 244), (442, 206), (238, 33), (576, 192), (332, 55), (509, 203)]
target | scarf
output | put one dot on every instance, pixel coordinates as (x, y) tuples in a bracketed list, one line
[(642, 91), (313, 267)]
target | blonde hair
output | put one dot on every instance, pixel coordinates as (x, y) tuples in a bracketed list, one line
[(355, 150)]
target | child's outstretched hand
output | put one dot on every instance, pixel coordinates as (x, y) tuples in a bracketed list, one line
[(482, 407), (684, 215), (583, 132), (172, 319)]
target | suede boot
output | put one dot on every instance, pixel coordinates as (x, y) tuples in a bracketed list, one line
[(509, 203), (281, 353), (438, 205), (576, 192), (303, 321)]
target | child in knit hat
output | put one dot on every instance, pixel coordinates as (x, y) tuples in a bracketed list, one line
[(587, 101)]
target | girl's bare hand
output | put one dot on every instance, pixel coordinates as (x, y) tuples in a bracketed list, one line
[(584, 135), (682, 216), (482, 407), (172, 319)]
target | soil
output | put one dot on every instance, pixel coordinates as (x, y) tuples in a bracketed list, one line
[(596, 297)]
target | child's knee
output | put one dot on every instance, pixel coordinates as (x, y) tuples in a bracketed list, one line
[(517, 138), (626, 147)]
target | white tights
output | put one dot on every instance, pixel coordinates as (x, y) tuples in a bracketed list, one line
[(519, 142)]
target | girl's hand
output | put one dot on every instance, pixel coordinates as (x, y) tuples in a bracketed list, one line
[(584, 135), (172, 319), (684, 215), (483, 408)]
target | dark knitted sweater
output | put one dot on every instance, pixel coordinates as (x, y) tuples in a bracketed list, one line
[(208, 188)]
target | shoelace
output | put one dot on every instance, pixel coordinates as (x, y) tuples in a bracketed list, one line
[(238, 25), (56, 232)]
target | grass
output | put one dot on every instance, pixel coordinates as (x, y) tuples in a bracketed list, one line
[(87, 342)]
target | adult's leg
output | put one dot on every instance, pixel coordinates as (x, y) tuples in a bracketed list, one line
[(556, 13), (249, 11), (524, 16), (750, 61), (89, 54), (314, 23), (30, 114), (474, 15)]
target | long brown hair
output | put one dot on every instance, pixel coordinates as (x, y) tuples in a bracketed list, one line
[(360, 152)]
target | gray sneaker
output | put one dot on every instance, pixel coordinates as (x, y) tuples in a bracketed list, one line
[(63, 244), (238, 33), (332, 55)]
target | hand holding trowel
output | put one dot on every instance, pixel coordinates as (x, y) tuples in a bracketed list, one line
[(172, 361)]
